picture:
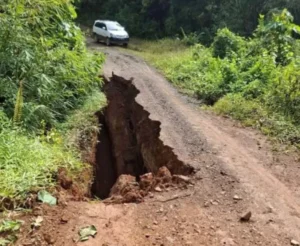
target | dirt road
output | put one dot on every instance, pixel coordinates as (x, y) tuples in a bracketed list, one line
[(237, 172)]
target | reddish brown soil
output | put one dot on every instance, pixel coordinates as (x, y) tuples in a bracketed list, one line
[(237, 172)]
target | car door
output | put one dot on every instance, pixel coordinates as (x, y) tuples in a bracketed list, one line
[(105, 32), (97, 28)]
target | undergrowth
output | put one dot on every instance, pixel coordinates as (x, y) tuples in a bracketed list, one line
[(30, 163), (49, 93), (254, 80), (45, 69), (82, 126)]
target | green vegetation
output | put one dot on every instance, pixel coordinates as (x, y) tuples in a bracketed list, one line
[(10, 227), (82, 125), (255, 80), (49, 89), (30, 163), (202, 19), (43, 52)]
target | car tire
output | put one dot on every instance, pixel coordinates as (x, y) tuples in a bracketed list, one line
[(107, 42), (96, 37), (125, 45)]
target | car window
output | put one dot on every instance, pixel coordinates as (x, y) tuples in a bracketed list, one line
[(98, 24), (114, 26)]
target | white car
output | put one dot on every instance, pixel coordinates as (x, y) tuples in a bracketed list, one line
[(110, 32)]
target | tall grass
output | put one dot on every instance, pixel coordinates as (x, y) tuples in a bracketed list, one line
[(82, 125), (29, 163)]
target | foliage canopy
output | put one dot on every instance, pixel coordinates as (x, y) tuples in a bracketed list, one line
[(46, 73), (42, 53), (160, 18)]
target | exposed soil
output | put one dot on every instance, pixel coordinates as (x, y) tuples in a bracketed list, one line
[(236, 172), (129, 142), (104, 166)]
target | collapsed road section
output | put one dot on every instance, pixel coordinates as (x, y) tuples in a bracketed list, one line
[(129, 142)]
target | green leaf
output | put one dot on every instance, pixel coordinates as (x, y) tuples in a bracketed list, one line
[(10, 225), (4, 242), (296, 29), (46, 197), (86, 232)]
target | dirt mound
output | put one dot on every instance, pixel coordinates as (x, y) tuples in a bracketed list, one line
[(128, 190)]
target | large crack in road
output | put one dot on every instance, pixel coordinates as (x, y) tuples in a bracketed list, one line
[(236, 171), (213, 145), (129, 142)]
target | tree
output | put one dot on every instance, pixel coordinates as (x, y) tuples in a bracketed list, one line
[(42, 47), (150, 18)]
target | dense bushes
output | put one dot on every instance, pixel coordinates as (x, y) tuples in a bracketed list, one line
[(46, 74), (226, 43), (255, 80), (276, 35), (29, 164), (42, 50)]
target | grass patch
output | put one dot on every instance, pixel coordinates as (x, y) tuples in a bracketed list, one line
[(29, 163), (166, 55), (8, 231), (254, 114), (82, 125)]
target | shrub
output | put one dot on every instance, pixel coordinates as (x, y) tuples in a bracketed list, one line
[(276, 35), (284, 94), (225, 43), (256, 74), (29, 164), (190, 39), (43, 50)]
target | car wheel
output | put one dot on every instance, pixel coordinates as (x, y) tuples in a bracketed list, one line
[(96, 37), (107, 41), (125, 45)]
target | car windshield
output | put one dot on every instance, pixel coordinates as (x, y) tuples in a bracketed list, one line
[(114, 26)]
